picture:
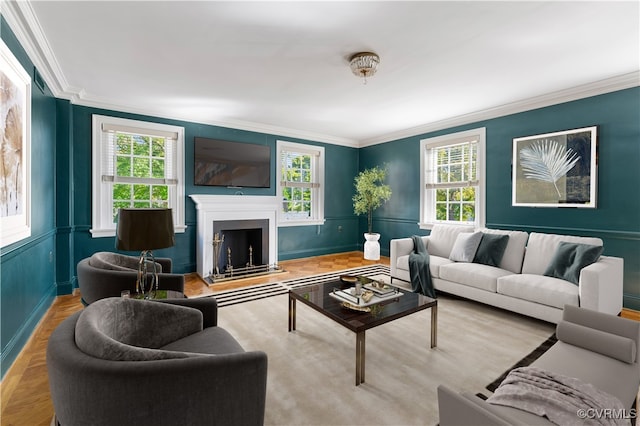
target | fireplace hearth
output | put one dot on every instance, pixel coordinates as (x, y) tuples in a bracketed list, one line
[(243, 272)]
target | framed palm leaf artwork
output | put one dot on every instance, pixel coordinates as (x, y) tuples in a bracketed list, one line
[(15, 145), (556, 169)]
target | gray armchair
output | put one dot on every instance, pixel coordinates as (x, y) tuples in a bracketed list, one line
[(106, 274), (136, 362)]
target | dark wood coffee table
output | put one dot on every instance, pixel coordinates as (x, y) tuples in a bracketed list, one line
[(317, 296)]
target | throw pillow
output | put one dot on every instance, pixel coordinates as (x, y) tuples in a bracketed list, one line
[(465, 246), (570, 258), (491, 249)]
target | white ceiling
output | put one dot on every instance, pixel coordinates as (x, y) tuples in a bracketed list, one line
[(282, 67)]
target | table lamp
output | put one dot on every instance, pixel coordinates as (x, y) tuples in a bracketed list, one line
[(145, 230)]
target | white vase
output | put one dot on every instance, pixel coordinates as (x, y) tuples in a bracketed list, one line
[(372, 246)]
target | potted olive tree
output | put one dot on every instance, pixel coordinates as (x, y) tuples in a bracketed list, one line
[(371, 193)]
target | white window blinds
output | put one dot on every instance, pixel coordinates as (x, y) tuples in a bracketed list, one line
[(302, 160), (453, 164), (109, 147), (135, 164)]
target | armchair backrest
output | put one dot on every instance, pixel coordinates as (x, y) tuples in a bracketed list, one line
[(121, 329), (119, 262), (98, 282)]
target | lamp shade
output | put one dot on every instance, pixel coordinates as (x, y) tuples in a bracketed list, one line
[(144, 229)]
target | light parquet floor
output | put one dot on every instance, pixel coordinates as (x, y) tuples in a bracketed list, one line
[(25, 398), (24, 393)]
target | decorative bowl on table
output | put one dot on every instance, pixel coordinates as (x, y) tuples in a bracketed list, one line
[(349, 279), (367, 295), (354, 307), (380, 288)]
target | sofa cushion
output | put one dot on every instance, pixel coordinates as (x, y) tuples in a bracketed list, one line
[(609, 344), (434, 264), (442, 238), (121, 329), (465, 246), (570, 258), (475, 275), (542, 247), (118, 262), (514, 253), (539, 289), (491, 249)]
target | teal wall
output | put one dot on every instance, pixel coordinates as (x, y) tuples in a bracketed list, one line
[(341, 165), (27, 268), (36, 269), (617, 217), (340, 231)]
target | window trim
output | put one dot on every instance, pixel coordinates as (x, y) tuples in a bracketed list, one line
[(101, 196), (451, 139), (318, 187)]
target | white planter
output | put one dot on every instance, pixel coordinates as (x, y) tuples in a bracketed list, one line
[(372, 246)]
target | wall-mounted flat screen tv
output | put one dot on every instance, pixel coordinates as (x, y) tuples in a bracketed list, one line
[(232, 164)]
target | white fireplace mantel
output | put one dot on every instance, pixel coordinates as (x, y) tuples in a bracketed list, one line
[(212, 208)]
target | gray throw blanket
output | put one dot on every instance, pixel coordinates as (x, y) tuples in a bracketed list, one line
[(419, 269), (561, 399)]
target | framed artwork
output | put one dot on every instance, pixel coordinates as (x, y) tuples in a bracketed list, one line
[(556, 169), (15, 149)]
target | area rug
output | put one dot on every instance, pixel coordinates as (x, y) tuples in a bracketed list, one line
[(311, 372), (527, 360), (261, 291)]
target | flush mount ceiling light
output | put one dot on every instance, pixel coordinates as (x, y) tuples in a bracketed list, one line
[(364, 64)]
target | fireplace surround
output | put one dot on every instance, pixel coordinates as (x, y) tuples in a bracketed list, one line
[(225, 208)]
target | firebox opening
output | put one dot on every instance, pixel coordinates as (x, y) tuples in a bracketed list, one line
[(241, 249)]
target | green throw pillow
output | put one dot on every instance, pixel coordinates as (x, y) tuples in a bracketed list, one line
[(491, 249), (570, 258)]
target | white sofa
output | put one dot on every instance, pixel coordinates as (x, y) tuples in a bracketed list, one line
[(518, 282)]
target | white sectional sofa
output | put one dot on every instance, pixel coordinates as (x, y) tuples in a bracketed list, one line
[(518, 282)]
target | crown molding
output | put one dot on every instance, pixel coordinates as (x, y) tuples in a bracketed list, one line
[(601, 87), (25, 25), (277, 131), (23, 22)]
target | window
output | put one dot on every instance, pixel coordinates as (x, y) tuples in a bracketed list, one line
[(136, 164), (301, 184), (452, 179)]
